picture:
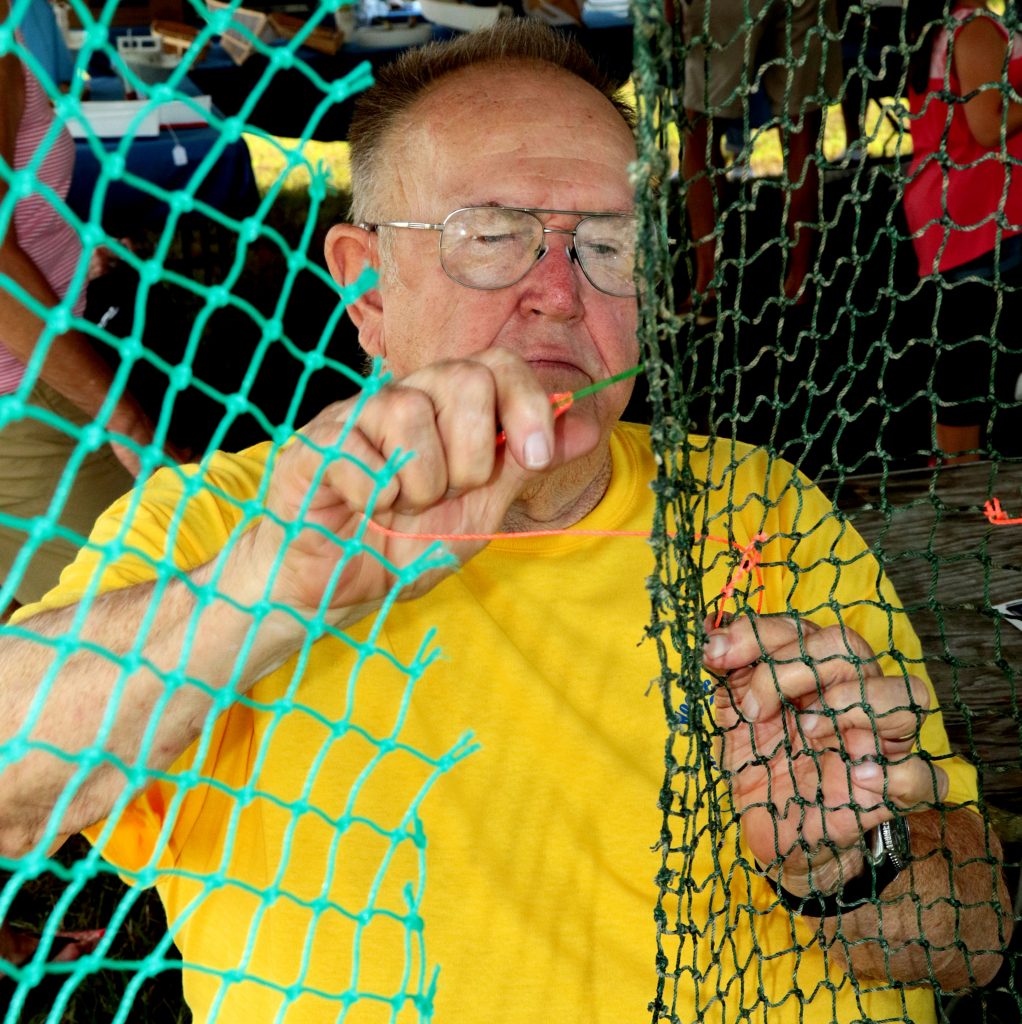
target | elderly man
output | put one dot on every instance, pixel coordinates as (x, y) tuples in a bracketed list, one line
[(251, 732)]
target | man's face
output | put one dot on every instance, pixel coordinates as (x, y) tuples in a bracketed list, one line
[(527, 137)]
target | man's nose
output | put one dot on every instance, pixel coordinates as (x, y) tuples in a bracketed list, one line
[(553, 287)]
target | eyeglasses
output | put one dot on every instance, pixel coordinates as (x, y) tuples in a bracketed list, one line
[(491, 247)]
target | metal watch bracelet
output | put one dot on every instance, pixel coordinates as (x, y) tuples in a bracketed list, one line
[(885, 857)]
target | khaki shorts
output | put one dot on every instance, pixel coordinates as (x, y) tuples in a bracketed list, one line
[(41, 486), (790, 50)]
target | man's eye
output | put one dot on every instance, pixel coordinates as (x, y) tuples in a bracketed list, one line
[(604, 250), (494, 239)]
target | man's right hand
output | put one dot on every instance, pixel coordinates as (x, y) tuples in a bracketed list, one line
[(319, 490), (458, 481)]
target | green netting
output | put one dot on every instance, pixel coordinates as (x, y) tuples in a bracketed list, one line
[(838, 372), (810, 335)]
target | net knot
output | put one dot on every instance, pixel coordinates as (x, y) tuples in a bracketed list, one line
[(282, 58), (749, 558)]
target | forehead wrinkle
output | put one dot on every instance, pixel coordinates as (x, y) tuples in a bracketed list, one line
[(427, 146), (479, 88), (396, 153), (551, 175)]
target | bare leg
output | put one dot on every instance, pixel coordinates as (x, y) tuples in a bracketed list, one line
[(18, 946)]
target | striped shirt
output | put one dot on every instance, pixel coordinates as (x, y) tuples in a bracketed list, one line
[(41, 230)]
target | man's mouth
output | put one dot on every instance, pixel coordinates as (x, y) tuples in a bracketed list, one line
[(552, 367)]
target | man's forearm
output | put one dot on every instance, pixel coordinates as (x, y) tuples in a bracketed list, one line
[(110, 690), (944, 920)]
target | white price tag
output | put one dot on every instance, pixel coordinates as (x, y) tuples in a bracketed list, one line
[(179, 155)]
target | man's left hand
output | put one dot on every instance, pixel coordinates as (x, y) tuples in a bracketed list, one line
[(817, 744)]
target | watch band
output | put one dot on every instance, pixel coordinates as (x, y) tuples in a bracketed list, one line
[(886, 855)]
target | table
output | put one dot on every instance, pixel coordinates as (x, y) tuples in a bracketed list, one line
[(291, 99), (949, 566), (285, 105), (228, 185)]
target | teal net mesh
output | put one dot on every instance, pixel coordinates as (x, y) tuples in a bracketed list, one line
[(796, 322)]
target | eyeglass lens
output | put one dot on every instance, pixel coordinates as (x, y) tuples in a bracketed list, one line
[(492, 247)]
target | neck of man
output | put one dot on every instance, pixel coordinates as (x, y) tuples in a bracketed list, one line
[(558, 500)]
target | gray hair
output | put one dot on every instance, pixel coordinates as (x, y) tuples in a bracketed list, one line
[(381, 111)]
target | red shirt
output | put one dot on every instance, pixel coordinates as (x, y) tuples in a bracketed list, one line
[(974, 189)]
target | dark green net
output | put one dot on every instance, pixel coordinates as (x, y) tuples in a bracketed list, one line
[(840, 379)]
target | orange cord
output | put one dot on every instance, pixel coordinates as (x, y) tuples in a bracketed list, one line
[(562, 401), (997, 516), (748, 563)]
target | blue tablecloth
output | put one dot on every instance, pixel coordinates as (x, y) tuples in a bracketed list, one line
[(287, 100), (123, 207), (291, 100)]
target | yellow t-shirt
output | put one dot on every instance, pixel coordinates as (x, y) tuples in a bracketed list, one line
[(468, 783)]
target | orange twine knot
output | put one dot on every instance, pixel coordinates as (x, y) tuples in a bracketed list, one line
[(996, 515), (748, 563)]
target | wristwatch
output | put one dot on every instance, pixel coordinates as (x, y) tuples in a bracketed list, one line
[(887, 853)]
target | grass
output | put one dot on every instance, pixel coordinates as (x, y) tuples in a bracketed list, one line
[(881, 132), (94, 993), (885, 131), (273, 158), (883, 138)]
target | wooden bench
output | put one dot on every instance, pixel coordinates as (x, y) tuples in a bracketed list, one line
[(950, 566)]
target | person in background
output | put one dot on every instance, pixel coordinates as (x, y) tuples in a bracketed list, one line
[(963, 205), (44, 472), (41, 32), (870, 32), (39, 254), (735, 47)]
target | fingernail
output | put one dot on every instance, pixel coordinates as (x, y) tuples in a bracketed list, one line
[(810, 723), (868, 771), (537, 451), (716, 646), (750, 708)]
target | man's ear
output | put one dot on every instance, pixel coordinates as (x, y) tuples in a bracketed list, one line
[(349, 250)]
